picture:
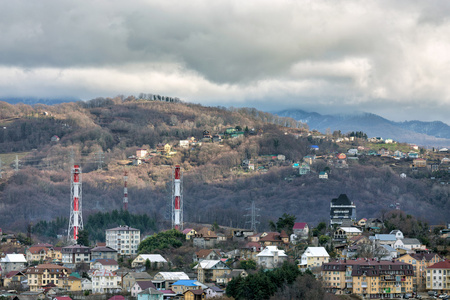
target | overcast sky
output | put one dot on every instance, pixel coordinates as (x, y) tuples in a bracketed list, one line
[(386, 57)]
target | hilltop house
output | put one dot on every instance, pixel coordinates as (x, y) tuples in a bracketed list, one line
[(301, 229), (12, 262), (164, 280), (205, 238), (274, 238)]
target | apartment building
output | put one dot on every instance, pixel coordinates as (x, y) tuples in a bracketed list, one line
[(370, 279), (124, 239)]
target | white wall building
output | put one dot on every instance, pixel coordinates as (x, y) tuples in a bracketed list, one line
[(124, 239), (271, 257), (104, 281), (13, 262)]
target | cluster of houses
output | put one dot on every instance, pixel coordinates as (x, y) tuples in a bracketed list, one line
[(44, 270)]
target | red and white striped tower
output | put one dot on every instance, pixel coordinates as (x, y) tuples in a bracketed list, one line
[(76, 218), (177, 199), (125, 191)]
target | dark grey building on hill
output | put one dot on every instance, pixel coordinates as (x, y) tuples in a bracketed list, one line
[(341, 208)]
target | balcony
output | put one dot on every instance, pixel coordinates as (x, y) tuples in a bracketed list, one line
[(363, 284), (349, 285)]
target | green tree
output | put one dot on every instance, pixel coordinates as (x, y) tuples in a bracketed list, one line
[(285, 222), (83, 237), (162, 240), (249, 264), (147, 264)]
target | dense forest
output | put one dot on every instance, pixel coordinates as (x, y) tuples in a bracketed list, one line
[(102, 134)]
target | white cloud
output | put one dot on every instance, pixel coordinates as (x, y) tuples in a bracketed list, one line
[(338, 55)]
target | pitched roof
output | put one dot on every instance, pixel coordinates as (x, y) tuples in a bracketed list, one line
[(153, 257), (174, 275), (209, 264), (206, 233), (145, 284), (14, 258), (383, 237), (37, 249), (408, 241), (271, 237), (103, 249), (426, 256), (300, 225), (151, 291), (441, 265), (107, 262), (270, 251), (14, 273), (187, 230), (316, 251)]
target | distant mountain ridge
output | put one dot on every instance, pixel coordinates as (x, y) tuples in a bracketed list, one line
[(36, 100), (434, 133)]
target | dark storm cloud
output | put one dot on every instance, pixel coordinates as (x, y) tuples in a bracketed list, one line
[(383, 55)]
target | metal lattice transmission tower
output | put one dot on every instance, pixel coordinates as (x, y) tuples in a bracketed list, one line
[(76, 218), (177, 198), (125, 191), (99, 160), (253, 215)]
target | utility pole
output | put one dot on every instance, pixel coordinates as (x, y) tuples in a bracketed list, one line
[(253, 215)]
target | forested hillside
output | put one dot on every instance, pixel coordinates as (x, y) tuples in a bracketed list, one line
[(102, 134)]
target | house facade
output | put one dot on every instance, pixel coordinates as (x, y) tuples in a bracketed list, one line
[(271, 257), (314, 257), (41, 275)]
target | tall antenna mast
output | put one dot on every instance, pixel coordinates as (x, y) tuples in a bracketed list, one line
[(125, 191), (177, 198), (76, 218)]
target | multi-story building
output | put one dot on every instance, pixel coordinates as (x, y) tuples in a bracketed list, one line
[(42, 275), (314, 257), (104, 281), (369, 278), (124, 239), (76, 254), (438, 277), (341, 208), (420, 262)]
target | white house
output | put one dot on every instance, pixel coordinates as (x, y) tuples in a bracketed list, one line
[(409, 244), (86, 284), (154, 259), (12, 262), (271, 257), (140, 286), (314, 257), (104, 281), (104, 264), (323, 175)]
